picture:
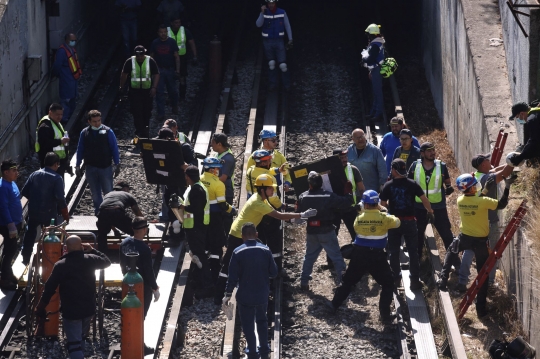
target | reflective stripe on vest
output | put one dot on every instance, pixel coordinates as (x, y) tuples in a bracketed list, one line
[(180, 40), (189, 221), (433, 191), (273, 27), (60, 150), (182, 138), (140, 75), (350, 177), (223, 154), (73, 62)]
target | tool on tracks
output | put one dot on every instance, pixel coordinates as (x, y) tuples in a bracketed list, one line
[(499, 148), (492, 259)]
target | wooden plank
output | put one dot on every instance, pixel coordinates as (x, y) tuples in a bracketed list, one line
[(169, 339), (450, 321), (156, 314)]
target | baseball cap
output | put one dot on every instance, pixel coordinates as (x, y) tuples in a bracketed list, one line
[(426, 146), (396, 121), (139, 49), (400, 166), (339, 151), (406, 131), (221, 138), (139, 223), (478, 159), (519, 107)]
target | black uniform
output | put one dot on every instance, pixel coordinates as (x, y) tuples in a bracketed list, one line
[(532, 137), (112, 213), (144, 266)]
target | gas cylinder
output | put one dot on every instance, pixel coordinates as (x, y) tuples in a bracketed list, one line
[(214, 63), (133, 277), (132, 326), (52, 251)]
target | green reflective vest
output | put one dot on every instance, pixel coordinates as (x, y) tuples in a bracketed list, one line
[(350, 177), (180, 39), (141, 75), (433, 191), (189, 222), (223, 154), (60, 150)]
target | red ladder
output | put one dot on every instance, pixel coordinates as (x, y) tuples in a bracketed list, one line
[(499, 148), (506, 237)]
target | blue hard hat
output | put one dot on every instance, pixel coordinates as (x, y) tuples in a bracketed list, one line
[(370, 196), (212, 162), (465, 181), (267, 134), (261, 155)]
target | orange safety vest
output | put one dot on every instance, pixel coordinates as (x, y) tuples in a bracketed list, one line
[(73, 62)]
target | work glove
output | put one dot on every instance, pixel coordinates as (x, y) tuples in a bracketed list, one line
[(156, 294), (514, 159), (508, 181), (78, 171), (430, 217), (449, 190), (309, 213), (227, 306), (174, 201), (347, 189), (383, 209), (289, 45), (234, 211), (12, 230), (298, 221), (116, 170), (194, 62)]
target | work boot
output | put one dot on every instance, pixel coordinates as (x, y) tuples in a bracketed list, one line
[(304, 287), (330, 306), (462, 288), (387, 319), (416, 284), (441, 283), (148, 350), (339, 278), (481, 311)]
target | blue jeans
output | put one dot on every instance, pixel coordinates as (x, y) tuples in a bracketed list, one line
[(468, 255), (315, 243), (377, 108), (75, 329), (129, 34), (274, 49), (69, 105), (408, 230), (166, 78), (99, 180), (249, 315)]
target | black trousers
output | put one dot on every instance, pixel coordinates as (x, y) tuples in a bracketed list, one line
[(140, 104), (214, 243), (147, 298), (196, 238), (232, 243), (108, 218), (348, 218), (365, 260), (270, 233), (479, 245), (10, 248), (227, 219)]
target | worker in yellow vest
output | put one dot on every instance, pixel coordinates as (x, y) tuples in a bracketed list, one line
[(51, 137), (182, 36)]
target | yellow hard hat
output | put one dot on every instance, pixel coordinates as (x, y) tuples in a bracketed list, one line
[(373, 29), (264, 180)]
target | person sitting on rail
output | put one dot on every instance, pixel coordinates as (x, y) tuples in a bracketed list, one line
[(474, 228), (269, 142), (215, 237), (256, 207), (251, 270), (136, 244), (369, 255), (75, 274), (221, 146), (320, 228), (112, 213), (270, 228), (44, 190)]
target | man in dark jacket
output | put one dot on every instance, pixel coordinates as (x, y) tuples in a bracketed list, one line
[(320, 228), (51, 137), (98, 147), (75, 274), (45, 192), (531, 121), (391, 141), (251, 268), (408, 151)]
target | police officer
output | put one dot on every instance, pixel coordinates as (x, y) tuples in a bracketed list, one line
[(182, 35), (373, 57), (269, 142), (369, 255), (275, 23), (253, 211), (216, 195), (144, 75), (530, 117), (320, 228), (221, 146), (474, 228), (51, 137)]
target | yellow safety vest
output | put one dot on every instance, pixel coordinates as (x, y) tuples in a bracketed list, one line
[(182, 138), (141, 75), (350, 177), (223, 154), (180, 39), (434, 191), (60, 150), (189, 222)]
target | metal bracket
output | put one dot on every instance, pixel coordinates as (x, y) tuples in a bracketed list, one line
[(512, 5)]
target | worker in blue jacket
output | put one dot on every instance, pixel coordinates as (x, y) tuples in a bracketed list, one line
[(275, 23), (251, 268), (391, 141), (10, 221), (373, 57)]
